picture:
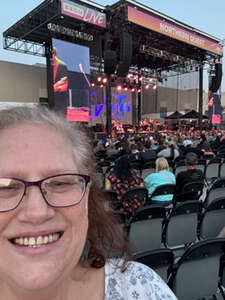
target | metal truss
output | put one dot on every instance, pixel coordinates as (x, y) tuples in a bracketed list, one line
[(23, 46)]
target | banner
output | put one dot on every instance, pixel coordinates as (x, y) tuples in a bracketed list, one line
[(175, 31)]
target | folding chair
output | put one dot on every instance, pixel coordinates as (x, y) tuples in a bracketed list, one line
[(160, 260), (216, 191), (180, 229), (212, 170), (196, 274), (145, 228), (138, 192), (190, 191), (162, 190), (213, 219)]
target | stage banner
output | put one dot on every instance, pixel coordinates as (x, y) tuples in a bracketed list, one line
[(83, 13), (174, 31), (214, 107), (71, 72)]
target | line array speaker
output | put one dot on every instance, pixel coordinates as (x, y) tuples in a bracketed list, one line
[(110, 61), (216, 80), (126, 49)]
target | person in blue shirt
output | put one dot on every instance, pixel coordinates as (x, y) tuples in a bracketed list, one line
[(162, 176)]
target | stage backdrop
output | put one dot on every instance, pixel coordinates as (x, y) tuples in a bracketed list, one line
[(71, 72)]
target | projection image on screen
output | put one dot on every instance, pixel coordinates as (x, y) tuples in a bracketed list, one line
[(71, 72)]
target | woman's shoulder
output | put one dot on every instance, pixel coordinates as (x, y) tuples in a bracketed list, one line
[(136, 282)]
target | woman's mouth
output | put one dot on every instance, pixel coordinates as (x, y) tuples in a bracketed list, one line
[(37, 241)]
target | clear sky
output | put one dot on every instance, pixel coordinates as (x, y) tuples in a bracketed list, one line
[(205, 15)]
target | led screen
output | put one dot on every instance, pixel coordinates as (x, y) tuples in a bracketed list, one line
[(71, 70)]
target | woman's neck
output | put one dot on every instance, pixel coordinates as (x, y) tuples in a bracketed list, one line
[(89, 284)]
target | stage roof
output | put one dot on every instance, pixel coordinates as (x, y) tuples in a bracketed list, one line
[(158, 41)]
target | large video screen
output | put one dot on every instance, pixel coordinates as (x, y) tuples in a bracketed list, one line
[(71, 72)]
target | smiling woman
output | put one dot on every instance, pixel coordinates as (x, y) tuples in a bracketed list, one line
[(55, 236)]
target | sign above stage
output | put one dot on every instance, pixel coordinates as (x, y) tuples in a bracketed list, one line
[(158, 24), (83, 13)]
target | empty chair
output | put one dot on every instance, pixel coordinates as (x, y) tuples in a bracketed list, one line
[(190, 191), (196, 274), (217, 190), (213, 219), (181, 226), (212, 170), (160, 260), (222, 170), (145, 228)]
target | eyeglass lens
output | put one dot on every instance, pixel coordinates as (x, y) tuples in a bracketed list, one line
[(58, 191)]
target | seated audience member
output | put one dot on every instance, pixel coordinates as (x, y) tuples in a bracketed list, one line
[(207, 152), (169, 152), (147, 154), (120, 179), (162, 176), (193, 147), (190, 175)]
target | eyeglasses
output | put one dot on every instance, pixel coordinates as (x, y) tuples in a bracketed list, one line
[(58, 191)]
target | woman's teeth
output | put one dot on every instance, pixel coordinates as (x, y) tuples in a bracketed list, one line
[(36, 241)]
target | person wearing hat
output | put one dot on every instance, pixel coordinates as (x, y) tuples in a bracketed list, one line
[(190, 175)]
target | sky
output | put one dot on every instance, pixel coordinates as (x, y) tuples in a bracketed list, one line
[(204, 15)]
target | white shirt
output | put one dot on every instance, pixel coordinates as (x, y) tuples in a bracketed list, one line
[(137, 282)]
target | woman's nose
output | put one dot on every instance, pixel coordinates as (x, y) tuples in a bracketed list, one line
[(34, 208)]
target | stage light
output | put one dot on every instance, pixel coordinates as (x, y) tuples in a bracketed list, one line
[(150, 79), (140, 78), (129, 75), (147, 86), (104, 80), (92, 84), (119, 88), (154, 87), (125, 89), (99, 78), (133, 90), (139, 90), (101, 86)]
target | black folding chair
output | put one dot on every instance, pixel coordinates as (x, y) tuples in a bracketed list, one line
[(160, 260), (163, 190), (145, 228), (196, 274)]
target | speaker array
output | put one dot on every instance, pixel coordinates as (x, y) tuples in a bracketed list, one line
[(125, 59), (126, 48), (216, 80)]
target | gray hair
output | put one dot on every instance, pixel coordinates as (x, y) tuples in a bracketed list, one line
[(161, 164), (13, 116)]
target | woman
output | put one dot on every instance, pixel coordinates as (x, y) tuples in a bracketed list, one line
[(54, 233), (162, 176), (120, 179)]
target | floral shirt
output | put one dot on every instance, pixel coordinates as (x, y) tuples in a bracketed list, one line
[(136, 282), (121, 186)]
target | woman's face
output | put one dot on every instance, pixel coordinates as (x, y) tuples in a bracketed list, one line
[(32, 152)]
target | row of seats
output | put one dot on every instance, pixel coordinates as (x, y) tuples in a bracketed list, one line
[(198, 274), (154, 227)]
